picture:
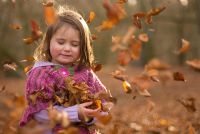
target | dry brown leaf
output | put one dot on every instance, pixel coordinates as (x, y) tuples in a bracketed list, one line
[(184, 48), (143, 37), (28, 68), (9, 65), (35, 35), (115, 12), (179, 76), (28, 59), (124, 57), (156, 64), (91, 17), (135, 49), (49, 13), (195, 64), (127, 87), (188, 103), (97, 67), (119, 74), (15, 26)]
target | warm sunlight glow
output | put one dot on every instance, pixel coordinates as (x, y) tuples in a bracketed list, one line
[(184, 2)]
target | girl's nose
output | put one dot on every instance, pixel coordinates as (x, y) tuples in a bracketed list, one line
[(67, 47)]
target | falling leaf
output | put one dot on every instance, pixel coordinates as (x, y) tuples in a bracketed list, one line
[(122, 1), (115, 13), (195, 64), (124, 58), (28, 59), (179, 76), (185, 47), (8, 65), (156, 11), (119, 74), (28, 68), (154, 78), (188, 103), (49, 13), (35, 35), (16, 26), (93, 37), (148, 16), (143, 37), (28, 40), (91, 17), (156, 64), (97, 67), (135, 49), (137, 19), (126, 87)]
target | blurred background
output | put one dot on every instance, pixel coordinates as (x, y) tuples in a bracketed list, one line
[(181, 19)]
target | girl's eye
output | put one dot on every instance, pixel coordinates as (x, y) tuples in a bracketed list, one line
[(61, 43), (75, 45)]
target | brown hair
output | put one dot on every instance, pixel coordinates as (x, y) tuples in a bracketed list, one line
[(71, 17)]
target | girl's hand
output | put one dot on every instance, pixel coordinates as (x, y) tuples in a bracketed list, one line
[(85, 113)]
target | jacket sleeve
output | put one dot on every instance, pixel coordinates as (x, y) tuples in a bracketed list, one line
[(38, 92)]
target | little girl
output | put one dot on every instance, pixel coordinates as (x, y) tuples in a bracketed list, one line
[(66, 51)]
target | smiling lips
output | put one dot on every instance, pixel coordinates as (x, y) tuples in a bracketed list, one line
[(64, 55)]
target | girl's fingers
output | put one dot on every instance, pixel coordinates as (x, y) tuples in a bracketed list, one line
[(86, 104)]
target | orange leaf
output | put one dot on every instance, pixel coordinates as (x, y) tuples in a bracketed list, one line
[(143, 37), (28, 68), (8, 65), (178, 76), (49, 13), (156, 64), (156, 11), (126, 87), (115, 12), (91, 17), (135, 49), (97, 67), (36, 33), (28, 40), (28, 58), (122, 1), (188, 103), (124, 57), (16, 26), (184, 48), (195, 64), (94, 37), (118, 74)]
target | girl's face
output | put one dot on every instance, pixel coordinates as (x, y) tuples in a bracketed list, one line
[(65, 45)]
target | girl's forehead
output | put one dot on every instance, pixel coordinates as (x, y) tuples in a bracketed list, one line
[(67, 29)]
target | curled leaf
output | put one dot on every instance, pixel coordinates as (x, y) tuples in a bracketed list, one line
[(15, 26), (127, 87), (184, 48), (195, 64), (8, 65), (91, 17), (49, 13), (178, 76)]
